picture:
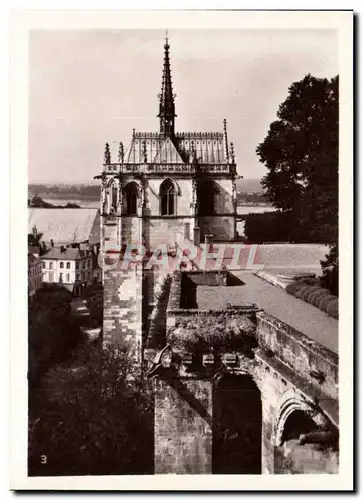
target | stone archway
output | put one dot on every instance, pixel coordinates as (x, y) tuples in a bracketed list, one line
[(301, 411), (304, 439), (297, 423), (237, 426)]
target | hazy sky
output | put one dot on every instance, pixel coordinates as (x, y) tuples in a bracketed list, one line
[(89, 87)]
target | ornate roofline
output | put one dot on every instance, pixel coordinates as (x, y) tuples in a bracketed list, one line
[(179, 135)]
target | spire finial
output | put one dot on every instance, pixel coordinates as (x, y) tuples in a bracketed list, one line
[(121, 153), (107, 154), (144, 151), (166, 97), (225, 139), (232, 153)]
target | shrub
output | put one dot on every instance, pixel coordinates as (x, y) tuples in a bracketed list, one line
[(324, 301), (299, 284), (305, 291), (318, 295), (328, 300), (299, 292), (333, 308), (315, 295), (312, 293), (297, 288), (291, 288)]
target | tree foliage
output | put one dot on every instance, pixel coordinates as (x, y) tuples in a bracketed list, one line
[(330, 267), (301, 155), (52, 332), (92, 419), (86, 415)]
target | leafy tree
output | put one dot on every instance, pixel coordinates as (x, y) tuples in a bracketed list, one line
[(52, 331), (269, 227), (85, 413), (301, 155), (92, 419), (330, 267)]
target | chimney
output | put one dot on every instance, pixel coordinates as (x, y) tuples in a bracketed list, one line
[(52, 243)]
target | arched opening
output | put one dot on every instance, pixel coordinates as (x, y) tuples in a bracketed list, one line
[(237, 426), (131, 195), (167, 198), (207, 196), (297, 423)]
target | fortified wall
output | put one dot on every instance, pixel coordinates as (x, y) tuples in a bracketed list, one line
[(235, 389), (238, 391)]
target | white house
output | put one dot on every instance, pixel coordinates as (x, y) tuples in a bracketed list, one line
[(69, 266)]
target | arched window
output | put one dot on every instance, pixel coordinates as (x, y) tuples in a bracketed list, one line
[(168, 198), (114, 196), (131, 195)]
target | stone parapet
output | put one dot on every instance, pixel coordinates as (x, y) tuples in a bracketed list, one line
[(305, 356)]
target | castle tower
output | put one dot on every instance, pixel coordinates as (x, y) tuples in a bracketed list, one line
[(165, 189), (168, 186)]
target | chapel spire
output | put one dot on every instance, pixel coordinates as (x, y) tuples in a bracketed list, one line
[(166, 104)]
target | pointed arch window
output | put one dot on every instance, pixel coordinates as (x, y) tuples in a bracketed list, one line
[(114, 196), (167, 198), (131, 195)]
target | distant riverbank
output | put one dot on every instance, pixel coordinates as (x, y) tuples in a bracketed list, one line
[(87, 202), (254, 209), (82, 202)]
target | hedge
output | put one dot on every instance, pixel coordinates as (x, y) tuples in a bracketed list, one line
[(324, 301), (291, 288), (333, 308), (306, 290), (313, 294)]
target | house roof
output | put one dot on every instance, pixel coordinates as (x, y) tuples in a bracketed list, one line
[(66, 225), (56, 253)]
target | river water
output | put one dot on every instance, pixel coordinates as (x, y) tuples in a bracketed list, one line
[(241, 210)]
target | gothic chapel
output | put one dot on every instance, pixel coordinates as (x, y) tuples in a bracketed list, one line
[(169, 186)]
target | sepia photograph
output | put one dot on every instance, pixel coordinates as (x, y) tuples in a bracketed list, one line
[(184, 307)]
